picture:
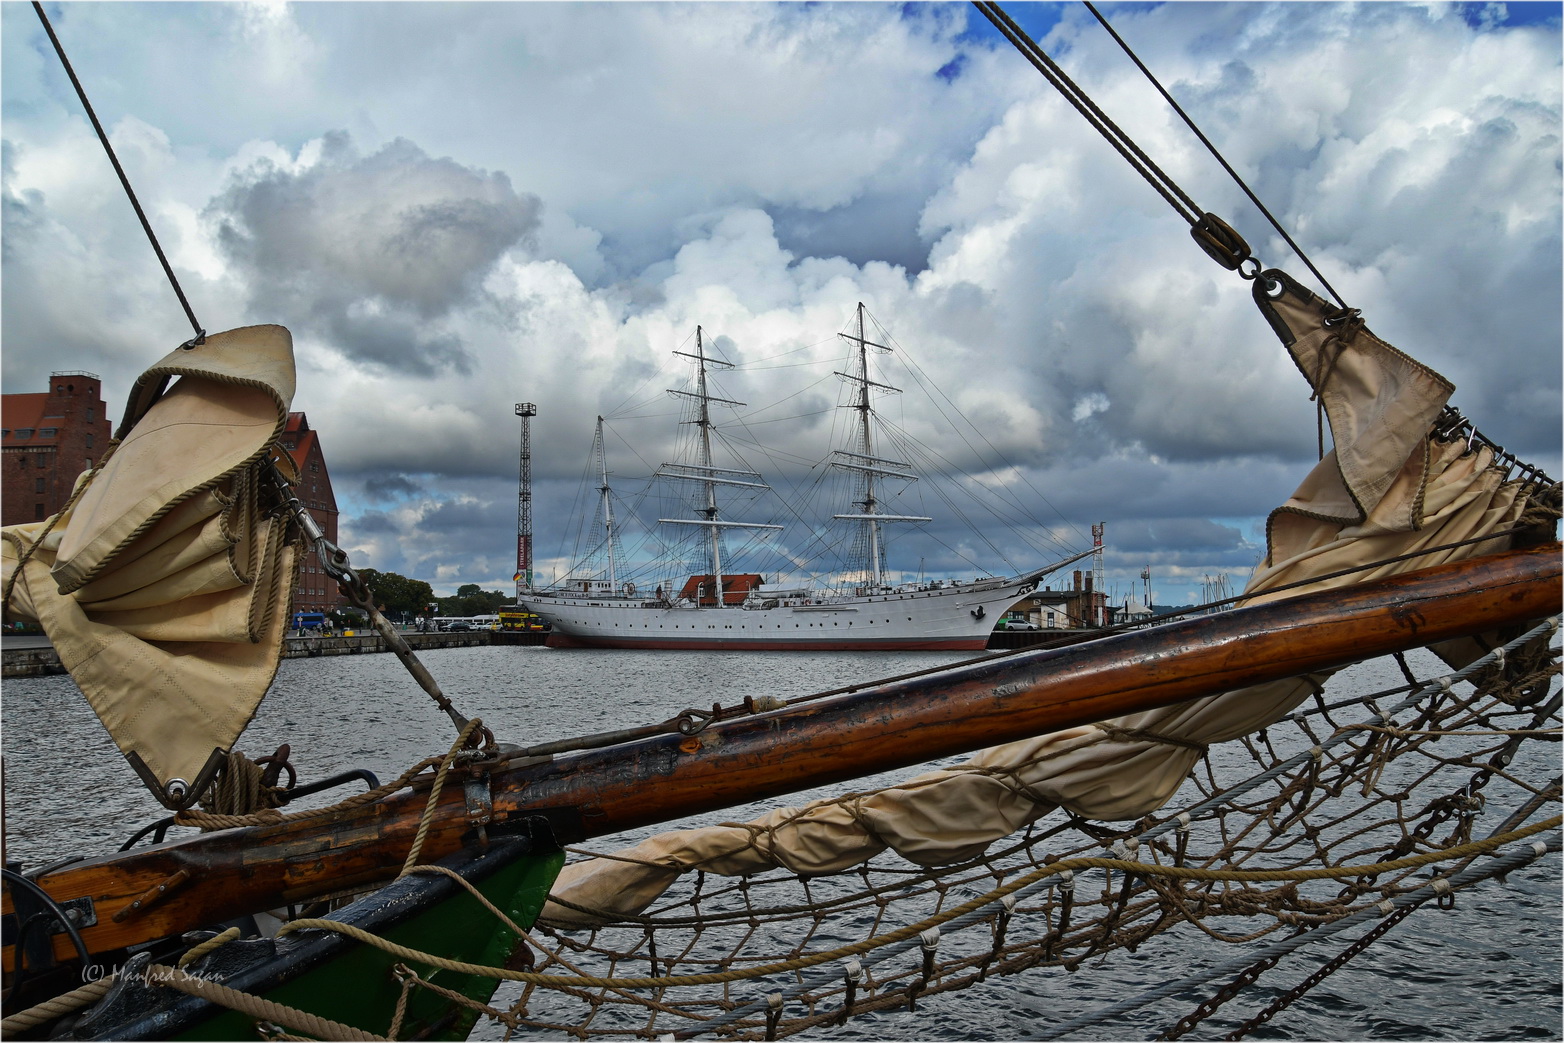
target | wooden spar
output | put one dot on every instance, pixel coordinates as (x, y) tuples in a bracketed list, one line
[(1015, 697), (658, 779)]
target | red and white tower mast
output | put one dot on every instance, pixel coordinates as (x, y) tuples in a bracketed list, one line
[(1099, 611), (525, 410)]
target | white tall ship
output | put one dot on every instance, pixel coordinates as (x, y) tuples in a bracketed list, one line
[(723, 609)]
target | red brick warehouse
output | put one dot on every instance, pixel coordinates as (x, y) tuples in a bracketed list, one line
[(50, 438), (315, 590)]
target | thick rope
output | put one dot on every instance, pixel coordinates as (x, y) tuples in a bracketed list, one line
[(53, 1008), (255, 1006), (472, 726), (239, 790), (215, 942), (192, 817), (410, 978)]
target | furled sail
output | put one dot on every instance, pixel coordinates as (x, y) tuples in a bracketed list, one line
[(1389, 487), (164, 584)]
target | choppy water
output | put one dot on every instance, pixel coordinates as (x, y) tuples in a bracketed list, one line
[(1488, 969)]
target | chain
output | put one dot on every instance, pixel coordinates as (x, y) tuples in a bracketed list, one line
[(1285, 1000), (335, 561), (1247, 977)]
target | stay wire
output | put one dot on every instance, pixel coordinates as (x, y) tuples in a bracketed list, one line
[(200, 334), (1177, 198), (1296, 249)]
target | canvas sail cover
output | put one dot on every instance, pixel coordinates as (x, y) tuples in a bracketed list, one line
[(164, 586), (1387, 488)]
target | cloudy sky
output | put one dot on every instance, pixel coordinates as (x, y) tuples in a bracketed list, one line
[(458, 207)]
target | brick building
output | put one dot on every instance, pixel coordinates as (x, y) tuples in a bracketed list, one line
[(49, 439), (315, 591), (1072, 608)]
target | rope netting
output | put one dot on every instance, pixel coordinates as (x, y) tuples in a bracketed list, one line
[(1337, 820)]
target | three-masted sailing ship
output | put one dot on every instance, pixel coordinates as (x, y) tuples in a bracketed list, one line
[(722, 609)]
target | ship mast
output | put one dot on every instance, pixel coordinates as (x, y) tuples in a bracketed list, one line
[(703, 472), (608, 507), (865, 463)]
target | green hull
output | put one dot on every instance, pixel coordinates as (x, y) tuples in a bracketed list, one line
[(334, 977)]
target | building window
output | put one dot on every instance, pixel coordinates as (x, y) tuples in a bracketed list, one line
[(21, 461), (38, 485), (48, 432), (38, 511), (24, 432), (89, 440)]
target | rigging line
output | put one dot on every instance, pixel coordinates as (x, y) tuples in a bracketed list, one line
[(630, 446), (200, 334), (932, 389), (1296, 249), (1165, 186), (755, 363), (928, 457), (630, 401), (785, 419), (911, 449), (800, 392), (732, 446)]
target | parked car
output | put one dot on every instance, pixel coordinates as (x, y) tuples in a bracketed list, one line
[(1020, 624), (456, 626)]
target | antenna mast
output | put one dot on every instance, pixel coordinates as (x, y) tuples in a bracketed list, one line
[(1099, 595), (525, 410)]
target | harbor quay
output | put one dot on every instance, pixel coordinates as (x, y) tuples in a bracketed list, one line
[(33, 656)]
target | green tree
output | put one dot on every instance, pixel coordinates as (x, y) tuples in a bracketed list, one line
[(471, 600), (397, 594)]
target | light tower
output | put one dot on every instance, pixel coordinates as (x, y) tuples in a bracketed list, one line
[(525, 410), (1099, 593)]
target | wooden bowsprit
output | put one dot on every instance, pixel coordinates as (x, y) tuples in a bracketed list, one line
[(231, 873)]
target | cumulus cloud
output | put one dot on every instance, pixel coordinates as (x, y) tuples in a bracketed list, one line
[(376, 249), (456, 208)]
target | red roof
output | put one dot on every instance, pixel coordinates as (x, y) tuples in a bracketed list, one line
[(303, 438), (735, 587), (24, 411)]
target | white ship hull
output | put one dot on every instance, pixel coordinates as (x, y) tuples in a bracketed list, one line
[(951, 616)]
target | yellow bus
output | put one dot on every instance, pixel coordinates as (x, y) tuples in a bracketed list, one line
[(519, 619)]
